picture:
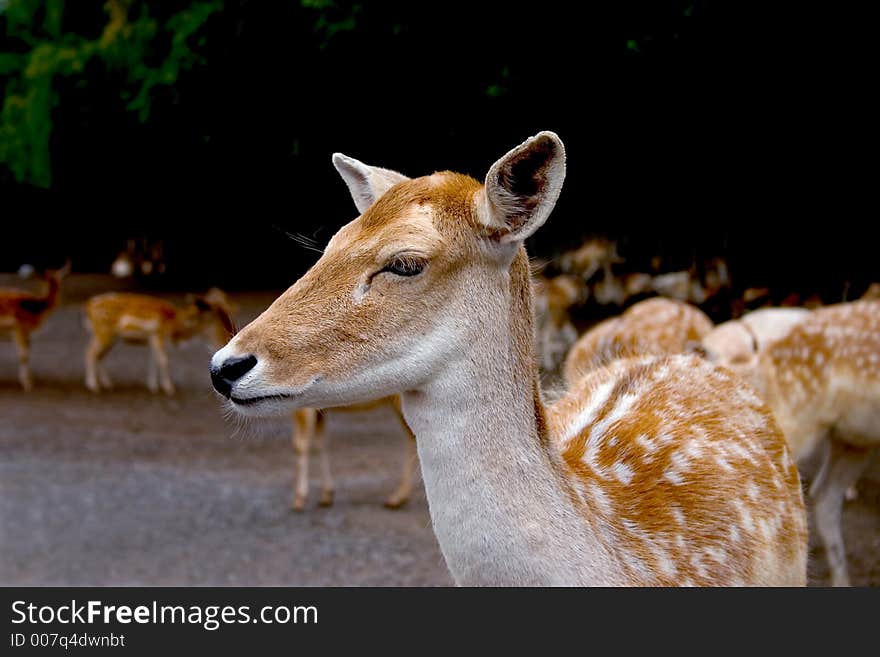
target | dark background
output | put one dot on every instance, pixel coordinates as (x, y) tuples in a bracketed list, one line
[(690, 131)]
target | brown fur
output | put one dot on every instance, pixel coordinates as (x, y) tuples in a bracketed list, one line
[(22, 313), (655, 326), (144, 319)]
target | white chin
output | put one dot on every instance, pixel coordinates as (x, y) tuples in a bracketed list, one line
[(263, 407)]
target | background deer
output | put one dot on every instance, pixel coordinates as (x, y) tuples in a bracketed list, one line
[(144, 319), (822, 380), (23, 312), (308, 430), (554, 298), (654, 326), (651, 471), (738, 342)]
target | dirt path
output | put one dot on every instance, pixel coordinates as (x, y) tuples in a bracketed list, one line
[(132, 489)]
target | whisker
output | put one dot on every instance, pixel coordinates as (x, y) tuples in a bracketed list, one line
[(302, 240)]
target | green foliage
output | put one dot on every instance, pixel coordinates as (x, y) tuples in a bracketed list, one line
[(127, 44), (332, 18)]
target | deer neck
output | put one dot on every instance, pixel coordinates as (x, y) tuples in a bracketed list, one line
[(53, 287), (502, 508)]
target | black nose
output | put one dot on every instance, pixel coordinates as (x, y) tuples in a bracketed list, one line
[(231, 371)]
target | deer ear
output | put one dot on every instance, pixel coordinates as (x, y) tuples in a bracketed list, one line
[(522, 187), (202, 304), (366, 183)]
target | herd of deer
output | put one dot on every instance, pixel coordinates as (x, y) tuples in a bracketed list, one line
[(669, 459)]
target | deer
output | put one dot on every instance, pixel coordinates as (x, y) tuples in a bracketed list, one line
[(554, 298), (738, 342), (308, 429), (822, 381), (651, 471), (654, 326), (149, 320), (591, 256), (23, 312), (873, 291)]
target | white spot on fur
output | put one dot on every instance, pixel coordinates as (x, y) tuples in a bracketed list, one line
[(719, 556), (623, 472), (733, 534), (645, 443), (585, 418), (745, 516), (678, 515), (673, 477)]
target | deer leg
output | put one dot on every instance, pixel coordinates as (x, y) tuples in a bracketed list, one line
[(22, 343), (92, 355), (410, 465), (96, 376), (327, 487), (844, 466), (303, 431), (152, 374), (852, 492), (103, 377), (158, 346)]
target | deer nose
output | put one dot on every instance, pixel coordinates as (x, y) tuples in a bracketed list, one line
[(230, 371)]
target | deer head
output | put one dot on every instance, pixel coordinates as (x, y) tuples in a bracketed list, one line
[(395, 297)]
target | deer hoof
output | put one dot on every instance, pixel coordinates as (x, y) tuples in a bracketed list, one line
[(395, 502), (326, 498)]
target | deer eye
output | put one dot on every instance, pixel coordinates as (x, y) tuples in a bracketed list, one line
[(403, 265)]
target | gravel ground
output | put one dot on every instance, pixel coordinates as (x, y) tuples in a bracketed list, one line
[(127, 488)]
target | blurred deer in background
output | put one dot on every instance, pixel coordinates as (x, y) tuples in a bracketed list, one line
[(655, 326), (589, 258), (822, 381), (23, 312), (739, 342), (144, 319), (873, 291), (554, 298), (308, 429)]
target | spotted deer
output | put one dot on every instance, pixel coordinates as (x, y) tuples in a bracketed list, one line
[(651, 471), (738, 342), (23, 312), (655, 326), (308, 429), (145, 319), (822, 381)]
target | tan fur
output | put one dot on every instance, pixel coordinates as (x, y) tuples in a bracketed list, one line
[(655, 326), (652, 475), (144, 319), (657, 471), (737, 343), (22, 313), (822, 381), (873, 292)]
